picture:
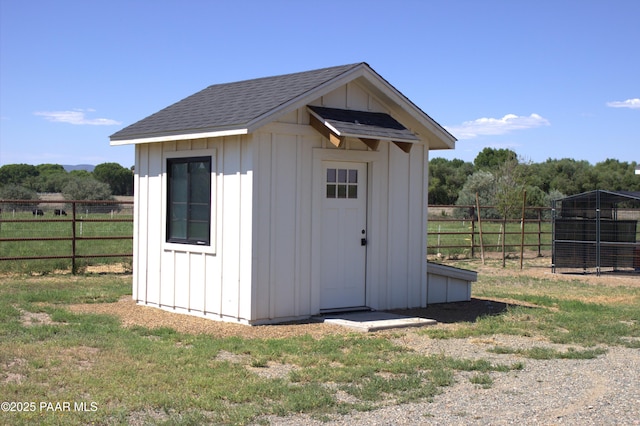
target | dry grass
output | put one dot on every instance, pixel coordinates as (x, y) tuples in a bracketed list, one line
[(131, 314), (144, 365)]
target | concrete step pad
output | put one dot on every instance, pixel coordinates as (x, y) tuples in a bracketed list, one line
[(374, 320)]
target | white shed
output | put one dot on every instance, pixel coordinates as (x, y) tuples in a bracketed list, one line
[(283, 197)]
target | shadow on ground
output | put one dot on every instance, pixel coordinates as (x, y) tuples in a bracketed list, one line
[(457, 311)]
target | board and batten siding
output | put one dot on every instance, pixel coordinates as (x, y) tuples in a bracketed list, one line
[(397, 211), (287, 226), (406, 245), (211, 281), (263, 264), (282, 223)]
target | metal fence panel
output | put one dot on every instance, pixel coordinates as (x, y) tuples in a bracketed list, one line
[(32, 230)]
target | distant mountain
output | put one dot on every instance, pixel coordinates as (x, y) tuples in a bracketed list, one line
[(87, 167)]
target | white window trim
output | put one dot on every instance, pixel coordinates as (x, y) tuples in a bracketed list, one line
[(191, 248)]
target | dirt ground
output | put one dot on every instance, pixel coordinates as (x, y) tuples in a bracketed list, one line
[(446, 314), (603, 390), (540, 267)]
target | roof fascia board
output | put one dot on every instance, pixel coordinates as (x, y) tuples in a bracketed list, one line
[(390, 95), (180, 137)]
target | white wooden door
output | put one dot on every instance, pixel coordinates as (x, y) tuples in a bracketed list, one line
[(344, 234)]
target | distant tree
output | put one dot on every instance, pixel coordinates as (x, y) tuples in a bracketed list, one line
[(552, 196), (51, 178), (491, 159), (17, 174), (446, 179), (52, 182), (17, 192), (86, 188), (549, 198), (509, 191), (614, 175), (483, 183), (509, 188), (537, 175), (44, 169), (530, 175), (536, 197), (452, 182), (81, 173), (119, 179), (571, 176)]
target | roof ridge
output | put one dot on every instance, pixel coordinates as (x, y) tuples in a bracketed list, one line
[(347, 68), (291, 74)]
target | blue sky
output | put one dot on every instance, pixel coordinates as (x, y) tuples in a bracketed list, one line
[(545, 78)]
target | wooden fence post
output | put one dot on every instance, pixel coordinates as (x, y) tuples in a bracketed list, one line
[(473, 234), (480, 228), (73, 236), (524, 206)]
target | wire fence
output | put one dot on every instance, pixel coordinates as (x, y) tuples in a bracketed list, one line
[(44, 235), (468, 231), (597, 230)]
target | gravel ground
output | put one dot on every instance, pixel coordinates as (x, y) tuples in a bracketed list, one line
[(600, 391)]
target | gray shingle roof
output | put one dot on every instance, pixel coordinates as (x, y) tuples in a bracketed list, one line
[(229, 105)]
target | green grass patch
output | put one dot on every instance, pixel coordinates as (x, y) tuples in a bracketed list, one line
[(567, 312), (64, 289), (161, 376), (482, 379)]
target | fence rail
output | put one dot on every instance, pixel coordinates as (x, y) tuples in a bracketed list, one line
[(28, 222), (58, 229), (458, 229)]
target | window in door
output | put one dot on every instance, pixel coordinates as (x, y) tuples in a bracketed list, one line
[(342, 183)]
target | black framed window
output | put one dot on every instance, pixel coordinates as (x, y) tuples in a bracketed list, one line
[(189, 200)]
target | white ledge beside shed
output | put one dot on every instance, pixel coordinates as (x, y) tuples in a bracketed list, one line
[(447, 284)]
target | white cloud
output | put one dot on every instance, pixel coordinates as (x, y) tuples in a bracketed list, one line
[(77, 117), (629, 103), (496, 126)]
